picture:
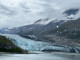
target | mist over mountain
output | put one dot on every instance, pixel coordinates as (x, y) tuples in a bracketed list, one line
[(24, 12)]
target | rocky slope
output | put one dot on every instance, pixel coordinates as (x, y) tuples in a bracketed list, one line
[(67, 34), (70, 29), (42, 26)]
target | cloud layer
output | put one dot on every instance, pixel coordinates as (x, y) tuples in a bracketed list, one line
[(23, 12)]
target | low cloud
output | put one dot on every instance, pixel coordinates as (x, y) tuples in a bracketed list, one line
[(23, 12)]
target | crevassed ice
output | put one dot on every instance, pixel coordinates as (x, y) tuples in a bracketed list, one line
[(30, 45)]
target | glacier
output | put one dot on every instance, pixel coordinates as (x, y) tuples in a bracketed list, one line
[(28, 44), (32, 45)]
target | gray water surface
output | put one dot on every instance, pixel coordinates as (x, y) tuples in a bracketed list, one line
[(48, 56)]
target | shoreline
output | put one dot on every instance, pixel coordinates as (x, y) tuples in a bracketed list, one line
[(44, 53)]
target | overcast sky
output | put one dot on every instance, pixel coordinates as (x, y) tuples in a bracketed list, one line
[(23, 12)]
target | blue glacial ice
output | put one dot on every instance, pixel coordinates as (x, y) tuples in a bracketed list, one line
[(31, 45)]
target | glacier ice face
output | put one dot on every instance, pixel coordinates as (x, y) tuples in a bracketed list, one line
[(31, 45)]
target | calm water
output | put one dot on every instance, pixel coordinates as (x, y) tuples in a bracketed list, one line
[(51, 56)]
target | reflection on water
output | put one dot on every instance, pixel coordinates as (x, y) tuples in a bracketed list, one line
[(47, 56)]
